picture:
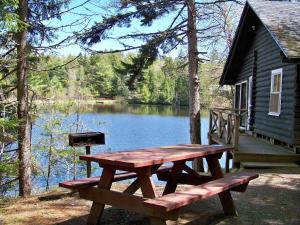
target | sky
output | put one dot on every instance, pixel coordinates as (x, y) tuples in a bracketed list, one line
[(98, 9)]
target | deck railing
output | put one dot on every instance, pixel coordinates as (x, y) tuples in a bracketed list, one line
[(224, 128), (225, 124)]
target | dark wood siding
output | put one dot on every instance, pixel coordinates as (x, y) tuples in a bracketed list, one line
[(297, 109), (269, 58)]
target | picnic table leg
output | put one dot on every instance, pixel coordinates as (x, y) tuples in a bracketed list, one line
[(225, 197), (149, 191), (146, 183), (173, 179), (132, 188), (97, 208)]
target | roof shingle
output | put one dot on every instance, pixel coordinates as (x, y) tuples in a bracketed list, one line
[(282, 19)]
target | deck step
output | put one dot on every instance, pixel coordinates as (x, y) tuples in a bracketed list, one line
[(192, 194), (264, 158), (266, 165)]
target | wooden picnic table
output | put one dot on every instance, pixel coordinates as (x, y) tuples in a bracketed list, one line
[(142, 164)]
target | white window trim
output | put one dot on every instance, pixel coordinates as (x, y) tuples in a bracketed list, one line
[(240, 99), (249, 87), (240, 83), (273, 73)]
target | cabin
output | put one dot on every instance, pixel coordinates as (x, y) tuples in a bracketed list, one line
[(264, 67)]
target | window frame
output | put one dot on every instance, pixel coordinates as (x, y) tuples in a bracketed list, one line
[(240, 94), (240, 98), (273, 73)]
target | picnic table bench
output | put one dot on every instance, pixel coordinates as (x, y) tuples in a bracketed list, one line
[(141, 164)]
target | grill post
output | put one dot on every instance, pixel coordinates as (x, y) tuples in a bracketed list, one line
[(87, 140)]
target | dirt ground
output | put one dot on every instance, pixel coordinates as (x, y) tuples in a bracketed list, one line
[(273, 198)]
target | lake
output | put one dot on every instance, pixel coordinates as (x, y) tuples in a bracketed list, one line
[(126, 127)]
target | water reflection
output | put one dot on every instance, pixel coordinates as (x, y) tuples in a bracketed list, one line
[(136, 109), (126, 127)]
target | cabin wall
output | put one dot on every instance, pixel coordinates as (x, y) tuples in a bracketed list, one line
[(269, 58), (297, 109)]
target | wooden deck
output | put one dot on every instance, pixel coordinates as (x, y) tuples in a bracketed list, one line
[(256, 152), (250, 151)]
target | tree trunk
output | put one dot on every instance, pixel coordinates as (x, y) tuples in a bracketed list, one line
[(23, 110), (194, 83), (49, 162)]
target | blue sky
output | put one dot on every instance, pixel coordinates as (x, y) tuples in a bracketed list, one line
[(98, 9), (91, 8)]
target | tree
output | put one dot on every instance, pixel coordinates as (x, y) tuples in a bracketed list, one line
[(182, 28), (27, 33), (23, 105), (34, 33)]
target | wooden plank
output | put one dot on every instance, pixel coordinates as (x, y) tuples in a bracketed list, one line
[(186, 178), (252, 157), (149, 191), (189, 195), (252, 149), (92, 181), (132, 188), (154, 156), (191, 177), (264, 165), (173, 177), (124, 201), (146, 183), (80, 183), (236, 132), (104, 183), (225, 197), (88, 164)]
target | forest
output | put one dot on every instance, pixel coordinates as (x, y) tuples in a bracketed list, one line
[(103, 76)]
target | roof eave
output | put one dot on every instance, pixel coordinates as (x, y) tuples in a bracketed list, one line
[(234, 45)]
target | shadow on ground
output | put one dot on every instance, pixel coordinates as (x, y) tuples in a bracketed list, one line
[(273, 198)]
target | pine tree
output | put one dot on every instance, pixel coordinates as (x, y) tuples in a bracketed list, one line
[(33, 15)]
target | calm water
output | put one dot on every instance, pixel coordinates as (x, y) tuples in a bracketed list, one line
[(126, 127)]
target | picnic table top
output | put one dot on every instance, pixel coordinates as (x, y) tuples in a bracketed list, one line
[(154, 156)]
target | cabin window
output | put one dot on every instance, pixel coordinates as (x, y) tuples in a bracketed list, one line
[(275, 92), (240, 101)]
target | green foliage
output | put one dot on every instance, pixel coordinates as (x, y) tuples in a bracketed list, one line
[(9, 20), (8, 169), (48, 83), (104, 76), (8, 123), (58, 157)]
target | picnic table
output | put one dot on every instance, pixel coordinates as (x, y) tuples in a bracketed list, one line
[(141, 164)]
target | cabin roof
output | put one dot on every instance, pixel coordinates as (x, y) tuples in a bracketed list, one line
[(280, 18)]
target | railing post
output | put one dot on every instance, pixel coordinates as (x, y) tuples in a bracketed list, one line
[(210, 121), (210, 127), (88, 163), (237, 119), (219, 124), (236, 131), (228, 135)]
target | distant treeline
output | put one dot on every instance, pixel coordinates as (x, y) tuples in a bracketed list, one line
[(98, 75)]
